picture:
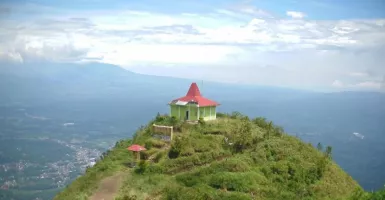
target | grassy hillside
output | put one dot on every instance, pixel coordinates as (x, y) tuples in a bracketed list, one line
[(233, 157)]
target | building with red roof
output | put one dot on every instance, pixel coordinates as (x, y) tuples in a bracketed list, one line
[(193, 106)]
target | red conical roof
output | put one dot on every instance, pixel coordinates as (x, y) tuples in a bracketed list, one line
[(136, 147), (194, 95), (193, 91)]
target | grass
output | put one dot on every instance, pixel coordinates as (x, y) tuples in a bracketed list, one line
[(233, 157)]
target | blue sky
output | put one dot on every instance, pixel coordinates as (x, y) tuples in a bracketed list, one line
[(308, 44)]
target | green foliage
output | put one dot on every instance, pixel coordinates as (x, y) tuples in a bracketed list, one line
[(167, 121), (201, 121), (146, 154), (148, 145), (261, 122), (159, 156), (328, 152), (176, 148), (320, 147), (232, 157), (242, 136), (236, 115), (240, 182), (156, 168), (221, 115), (360, 194), (142, 167)]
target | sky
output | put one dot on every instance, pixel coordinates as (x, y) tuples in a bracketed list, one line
[(331, 45)]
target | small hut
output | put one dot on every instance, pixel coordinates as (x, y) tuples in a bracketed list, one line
[(136, 149)]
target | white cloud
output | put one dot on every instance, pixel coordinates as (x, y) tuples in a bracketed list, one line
[(243, 40), (366, 85), (369, 85), (295, 15)]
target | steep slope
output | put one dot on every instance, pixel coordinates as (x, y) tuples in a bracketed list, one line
[(230, 158)]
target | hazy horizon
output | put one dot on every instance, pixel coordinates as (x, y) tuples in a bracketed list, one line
[(317, 45)]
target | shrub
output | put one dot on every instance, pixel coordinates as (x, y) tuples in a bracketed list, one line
[(148, 145), (236, 115), (159, 156), (241, 136), (201, 121), (187, 151), (221, 115), (232, 181), (260, 121), (155, 168), (157, 143), (142, 167), (231, 165), (188, 180), (146, 154), (176, 148)]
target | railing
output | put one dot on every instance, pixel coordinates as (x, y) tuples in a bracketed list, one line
[(163, 131)]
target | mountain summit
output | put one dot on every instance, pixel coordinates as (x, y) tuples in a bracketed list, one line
[(232, 157)]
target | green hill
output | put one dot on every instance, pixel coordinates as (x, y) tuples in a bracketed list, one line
[(233, 157)]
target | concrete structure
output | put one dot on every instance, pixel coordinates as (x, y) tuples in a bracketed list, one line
[(193, 106)]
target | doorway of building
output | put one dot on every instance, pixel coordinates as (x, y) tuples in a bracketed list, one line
[(187, 115)]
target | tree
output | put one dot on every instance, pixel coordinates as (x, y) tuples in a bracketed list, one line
[(269, 129), (260, 121), (236, 115), (176, 148), (278, 131), (320, 147), (328, 152), (242, 135)]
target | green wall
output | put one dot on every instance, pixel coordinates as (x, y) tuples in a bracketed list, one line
[(179, 112)]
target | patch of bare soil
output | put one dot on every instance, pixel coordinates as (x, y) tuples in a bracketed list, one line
[(108, 188)]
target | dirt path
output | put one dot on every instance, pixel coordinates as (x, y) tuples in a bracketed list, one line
[(108, 188)]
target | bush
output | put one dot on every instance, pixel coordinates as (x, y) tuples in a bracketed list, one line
[(157, 143), (230, 165), (232, 181), (236, 115), (201, 121), (241, 136), (195, 160), (148, 145), (155, 168), (159, 156), (142, 167), (146, 154), (188, 180), (222, 115), (176, 148), (260, 121)]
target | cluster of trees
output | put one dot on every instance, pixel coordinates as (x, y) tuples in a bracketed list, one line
[(244, 135)]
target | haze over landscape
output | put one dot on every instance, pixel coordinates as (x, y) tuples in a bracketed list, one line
[(77, 77)]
